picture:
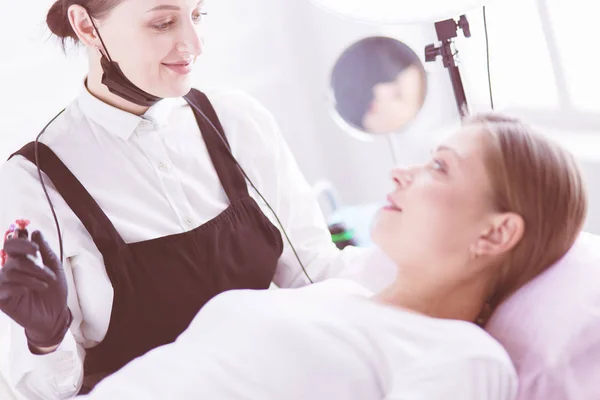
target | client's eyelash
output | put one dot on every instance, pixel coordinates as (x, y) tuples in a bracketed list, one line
[(442, 165)]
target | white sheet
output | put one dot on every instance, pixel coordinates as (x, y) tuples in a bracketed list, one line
[(322, 342)]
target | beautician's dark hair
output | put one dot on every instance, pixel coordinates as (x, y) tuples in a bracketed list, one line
[(58, 19)]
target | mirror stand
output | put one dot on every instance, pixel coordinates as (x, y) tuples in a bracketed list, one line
[(446, 31)]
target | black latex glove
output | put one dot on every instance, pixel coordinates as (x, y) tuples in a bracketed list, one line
[(33, 297)]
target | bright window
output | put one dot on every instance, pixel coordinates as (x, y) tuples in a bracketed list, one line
[(522, 72), (573, 23), (542, 61)]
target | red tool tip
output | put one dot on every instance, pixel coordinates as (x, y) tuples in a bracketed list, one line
[(22, 223)]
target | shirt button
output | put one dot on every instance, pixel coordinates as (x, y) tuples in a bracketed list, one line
[(163, 166), (188, 221)]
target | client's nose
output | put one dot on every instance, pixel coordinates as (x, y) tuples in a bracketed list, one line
[(402, 177)]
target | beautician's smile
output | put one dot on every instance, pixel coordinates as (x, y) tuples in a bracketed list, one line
[(181, 68)]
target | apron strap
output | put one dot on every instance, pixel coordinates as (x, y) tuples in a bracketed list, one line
[(81, 202), (230, 175)]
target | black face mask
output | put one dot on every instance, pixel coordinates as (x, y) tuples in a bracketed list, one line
[(117, 83)]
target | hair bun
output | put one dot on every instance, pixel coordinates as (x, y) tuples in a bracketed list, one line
[(58, 21)]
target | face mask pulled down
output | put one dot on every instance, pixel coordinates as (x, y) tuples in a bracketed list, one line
[(117, 83)]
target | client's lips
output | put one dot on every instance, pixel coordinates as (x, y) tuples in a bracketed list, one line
[(392, 206)]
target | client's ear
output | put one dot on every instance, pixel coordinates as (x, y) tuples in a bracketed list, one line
[(502, 234)]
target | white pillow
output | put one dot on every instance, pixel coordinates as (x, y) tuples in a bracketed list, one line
[(551, 328)]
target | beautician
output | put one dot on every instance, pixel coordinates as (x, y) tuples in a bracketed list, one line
[(145, 212)]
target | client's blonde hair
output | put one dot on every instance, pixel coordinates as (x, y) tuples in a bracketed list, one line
[(536, 178)]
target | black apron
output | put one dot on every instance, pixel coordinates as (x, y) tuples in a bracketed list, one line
[(160, 284)]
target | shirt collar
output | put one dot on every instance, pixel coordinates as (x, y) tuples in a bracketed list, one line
[(122, 123), (160, 113)]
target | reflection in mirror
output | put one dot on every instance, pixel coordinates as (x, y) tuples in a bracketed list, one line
[(378, 85)]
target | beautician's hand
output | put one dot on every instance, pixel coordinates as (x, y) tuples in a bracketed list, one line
[(35, 297)]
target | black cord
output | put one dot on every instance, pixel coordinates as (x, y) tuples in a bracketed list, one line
[(487, 48), (37, 164), (101, 41), (392, 150), (252, 184)]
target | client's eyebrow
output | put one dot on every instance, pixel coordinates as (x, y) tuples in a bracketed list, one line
[(450, 149)]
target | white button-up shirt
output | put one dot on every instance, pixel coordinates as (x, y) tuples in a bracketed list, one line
[(152, 176)]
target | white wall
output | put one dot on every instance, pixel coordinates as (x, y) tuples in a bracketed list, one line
[(36, 79)]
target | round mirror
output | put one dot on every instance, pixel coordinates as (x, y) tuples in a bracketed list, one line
[(378, 85)]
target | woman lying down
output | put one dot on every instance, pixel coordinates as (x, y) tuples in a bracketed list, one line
[(493, 209)]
